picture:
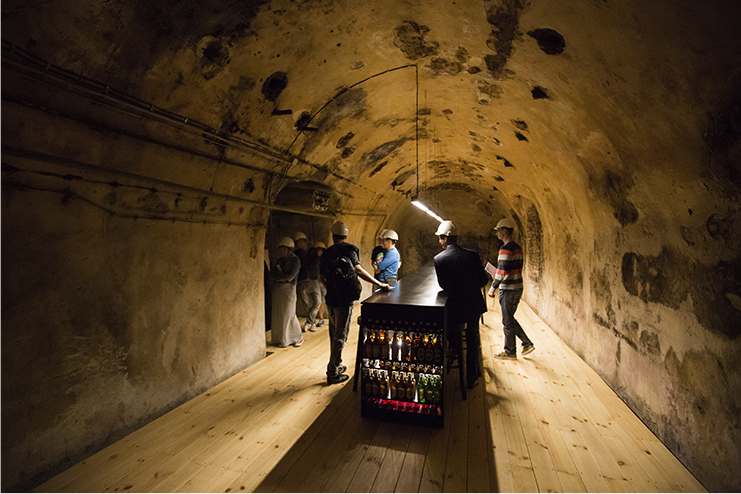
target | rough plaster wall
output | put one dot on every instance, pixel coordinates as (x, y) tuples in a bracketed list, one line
[(646, 293), (110, 322)]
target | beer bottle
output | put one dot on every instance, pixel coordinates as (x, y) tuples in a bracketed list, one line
[(407, 349), (384, 342), (384, 385), (367, 384), (367, 348), (431, 386), (376, 391), (394, 385), (419, 349), (411, 387), (437, 389), (429, 350), (422, 388), (437, 349)]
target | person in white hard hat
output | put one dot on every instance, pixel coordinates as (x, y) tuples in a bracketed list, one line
[(461, 274), (378, 252), (387, 269), (285, 328), (342, 291), (509, 281)]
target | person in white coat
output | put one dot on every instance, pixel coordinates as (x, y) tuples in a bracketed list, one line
[(285, 328)]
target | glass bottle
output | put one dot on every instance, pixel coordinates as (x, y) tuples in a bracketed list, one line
[(431, 386), (383, 345), (411, 388), (384, 385), (407, 349), (437, 349), (394, 385), (419, 348), (422, 388), (367, 346), (367, 384), (376, 390), (429, 349), (437, 389)]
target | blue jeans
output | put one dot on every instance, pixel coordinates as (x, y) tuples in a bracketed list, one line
[(339, 328), (509, 300)]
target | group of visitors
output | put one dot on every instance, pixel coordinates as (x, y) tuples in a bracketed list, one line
[(296, 274), (332, 274)]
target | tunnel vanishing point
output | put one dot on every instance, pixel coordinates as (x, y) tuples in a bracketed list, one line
[(152, 150)]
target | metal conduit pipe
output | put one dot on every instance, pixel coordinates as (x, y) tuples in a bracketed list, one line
[(27, 65), (21, 61), (140, 181)]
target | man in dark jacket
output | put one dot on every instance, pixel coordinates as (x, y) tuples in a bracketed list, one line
[(461, 274)]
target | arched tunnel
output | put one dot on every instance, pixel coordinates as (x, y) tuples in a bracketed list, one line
[(153, 151)]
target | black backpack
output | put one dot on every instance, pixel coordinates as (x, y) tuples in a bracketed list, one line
[(343, 285)]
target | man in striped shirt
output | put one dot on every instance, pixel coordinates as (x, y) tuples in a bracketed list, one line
[(509, 281)]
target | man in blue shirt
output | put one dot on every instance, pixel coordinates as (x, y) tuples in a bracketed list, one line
[(387, 270)]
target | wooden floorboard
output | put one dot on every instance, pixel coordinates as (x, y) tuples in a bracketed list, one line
[(543, 423)]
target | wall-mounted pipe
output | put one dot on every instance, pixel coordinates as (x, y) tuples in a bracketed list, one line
[(106, 176), (26, 65)]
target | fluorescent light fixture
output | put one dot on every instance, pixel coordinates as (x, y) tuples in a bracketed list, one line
[(419, 204), (431, 213), (424, 208)]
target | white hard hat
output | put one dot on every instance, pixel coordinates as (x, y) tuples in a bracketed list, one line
[(447, 228), (286, 242), (505, 223), (390, 234), (299, 235), (382, 233), (339, 228)]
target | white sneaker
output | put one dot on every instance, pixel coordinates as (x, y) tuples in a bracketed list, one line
[(299, 343)]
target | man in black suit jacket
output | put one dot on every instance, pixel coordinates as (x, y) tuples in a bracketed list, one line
[(461, 274)]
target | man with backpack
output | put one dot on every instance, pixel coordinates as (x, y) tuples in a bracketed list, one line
[(339, 272)]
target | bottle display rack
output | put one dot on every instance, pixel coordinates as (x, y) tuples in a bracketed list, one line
[(401, 352)]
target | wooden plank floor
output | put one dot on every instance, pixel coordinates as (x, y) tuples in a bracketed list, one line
[(545, 423)]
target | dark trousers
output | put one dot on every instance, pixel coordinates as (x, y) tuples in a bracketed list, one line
[(509, 300), (339, 327), (473, 346)]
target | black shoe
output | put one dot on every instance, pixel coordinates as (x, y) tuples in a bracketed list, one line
[(339, 378), (473, 384)]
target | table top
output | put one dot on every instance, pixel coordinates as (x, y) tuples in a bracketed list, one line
[(417, 289)]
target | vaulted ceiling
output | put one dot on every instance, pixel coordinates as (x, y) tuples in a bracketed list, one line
[(472, 103)]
